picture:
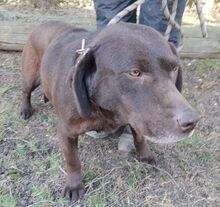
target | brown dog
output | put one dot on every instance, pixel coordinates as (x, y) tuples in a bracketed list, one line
[(127, 75)]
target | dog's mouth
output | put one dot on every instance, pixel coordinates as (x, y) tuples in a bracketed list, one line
[(167, 139)]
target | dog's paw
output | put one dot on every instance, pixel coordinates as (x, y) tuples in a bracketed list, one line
[(150, 159), (74, 193), (26, 113)]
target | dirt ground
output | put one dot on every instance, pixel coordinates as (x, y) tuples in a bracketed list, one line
[(32, 169)]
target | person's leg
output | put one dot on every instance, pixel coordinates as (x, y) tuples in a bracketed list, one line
[(106, 10), (175, 35), (151, 14)]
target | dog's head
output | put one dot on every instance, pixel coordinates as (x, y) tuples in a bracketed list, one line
[(132, 71)]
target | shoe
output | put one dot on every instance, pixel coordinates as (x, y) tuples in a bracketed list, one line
[(98, 135), (126, 143)]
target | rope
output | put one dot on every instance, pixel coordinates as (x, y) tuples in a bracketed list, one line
[(170, 26), (170, 17), (125, 11)]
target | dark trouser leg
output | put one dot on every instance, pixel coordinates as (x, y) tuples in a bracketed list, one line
[(151, 14), (106, 10)]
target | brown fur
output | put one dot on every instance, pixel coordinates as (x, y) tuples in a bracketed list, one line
[(128, 75)]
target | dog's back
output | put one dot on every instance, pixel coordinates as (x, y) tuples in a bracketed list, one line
[(41, 37), (38, 42), (58, 59)]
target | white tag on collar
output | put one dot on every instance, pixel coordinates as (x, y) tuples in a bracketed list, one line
[(82, 49)]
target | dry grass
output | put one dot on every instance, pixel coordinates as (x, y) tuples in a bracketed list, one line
[(32, 171)]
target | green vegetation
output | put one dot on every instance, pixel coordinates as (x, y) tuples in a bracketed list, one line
[(7, 200), (96, 200)]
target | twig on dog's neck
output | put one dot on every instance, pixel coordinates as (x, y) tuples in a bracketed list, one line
[(82, 49)]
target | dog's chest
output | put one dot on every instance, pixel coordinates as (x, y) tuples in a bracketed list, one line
[(97, 123)]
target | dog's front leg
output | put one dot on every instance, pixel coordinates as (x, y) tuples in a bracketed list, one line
[(74, 188), (144, 153)]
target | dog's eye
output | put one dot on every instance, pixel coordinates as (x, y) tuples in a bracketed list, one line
[(135, 73)]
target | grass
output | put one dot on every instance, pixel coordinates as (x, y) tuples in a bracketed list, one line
[(203, 64), (42, 193), (207, 157), (96, 200), (210, 63), (32, 169), (191, 141), (8, 200)]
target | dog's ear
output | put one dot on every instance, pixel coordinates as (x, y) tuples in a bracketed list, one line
[(179, 79), (77, 82)]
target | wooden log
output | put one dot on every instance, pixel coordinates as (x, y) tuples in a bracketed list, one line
[(13, 36), (197, 47)]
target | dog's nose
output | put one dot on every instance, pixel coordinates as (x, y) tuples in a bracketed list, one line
[(187, 120)]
